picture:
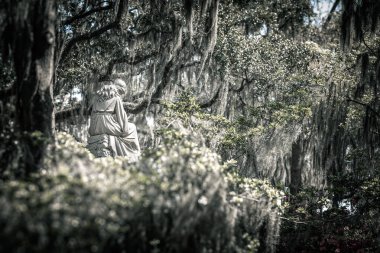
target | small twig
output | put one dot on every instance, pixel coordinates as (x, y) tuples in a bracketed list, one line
[(244, 197), (364, 104), (297, 222), (368, 47)]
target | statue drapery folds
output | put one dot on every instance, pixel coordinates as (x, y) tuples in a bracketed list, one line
[(110, 132)]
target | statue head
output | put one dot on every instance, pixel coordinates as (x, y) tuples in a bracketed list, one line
[(120, 85)]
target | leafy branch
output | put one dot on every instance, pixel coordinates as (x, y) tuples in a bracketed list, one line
[(123, 4)]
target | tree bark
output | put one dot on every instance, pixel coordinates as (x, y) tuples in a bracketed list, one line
[(32, 46), (296, 167)]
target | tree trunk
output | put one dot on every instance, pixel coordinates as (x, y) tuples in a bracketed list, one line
[(33, 45), (296, 167)]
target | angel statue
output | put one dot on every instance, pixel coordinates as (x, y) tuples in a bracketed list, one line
[(110, 132)]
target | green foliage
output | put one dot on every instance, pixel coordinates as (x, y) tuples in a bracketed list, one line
[(343, 217), (219, 133), (184, 106), (7, 75), (259, 206), (7, 111), (177, 198)]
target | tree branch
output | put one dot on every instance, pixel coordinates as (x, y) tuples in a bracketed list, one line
[(128, 60), (134, 108), (88, 13), (74, 111), (368, 47), (139, 106), (155, 97), (123, 4), (365, 105), (331, 12), (189, 64), (131, 107), (214, 98)]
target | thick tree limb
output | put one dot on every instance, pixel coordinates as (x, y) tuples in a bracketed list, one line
[(128, 60), (123, 4), (88, 13)]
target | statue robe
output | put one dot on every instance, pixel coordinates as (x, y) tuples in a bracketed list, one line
[(109, 117)]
